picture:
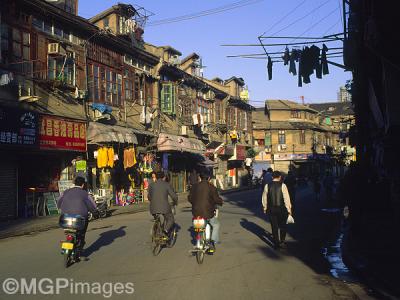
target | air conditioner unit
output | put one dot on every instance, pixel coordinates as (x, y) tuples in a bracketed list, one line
[(283, 147), (184, 130), (53, 48)]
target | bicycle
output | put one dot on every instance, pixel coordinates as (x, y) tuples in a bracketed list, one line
[(158, 238)]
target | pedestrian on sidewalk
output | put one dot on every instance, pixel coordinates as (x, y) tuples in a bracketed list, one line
[(266, 177), (276, 202)]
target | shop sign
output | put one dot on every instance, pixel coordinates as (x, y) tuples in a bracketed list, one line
[(18, 127), (292, 156), (62, 134), (240, 152), (263, 156)]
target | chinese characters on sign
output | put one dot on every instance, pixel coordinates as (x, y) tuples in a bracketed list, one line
[(18, 127), (63, 134)]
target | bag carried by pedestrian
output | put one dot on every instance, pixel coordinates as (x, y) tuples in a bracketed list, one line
[(290, 220)]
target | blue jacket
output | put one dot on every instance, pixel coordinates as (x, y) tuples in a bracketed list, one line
[(76, 201)]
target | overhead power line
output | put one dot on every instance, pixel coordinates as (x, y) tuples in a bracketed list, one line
[(284, 17), (204, 13), (301, 18)]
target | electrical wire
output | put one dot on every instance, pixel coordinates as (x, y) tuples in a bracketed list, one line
[(284, 17), (301, 18), (204, 13)]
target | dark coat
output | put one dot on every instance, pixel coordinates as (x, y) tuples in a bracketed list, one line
[(76, 201), (204, 198), (158, 197)]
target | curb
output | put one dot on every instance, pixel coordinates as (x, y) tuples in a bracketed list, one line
[(374, 282), (225, 192)]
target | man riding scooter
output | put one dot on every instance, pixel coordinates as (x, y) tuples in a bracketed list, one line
[(204, 198), (76, 201)]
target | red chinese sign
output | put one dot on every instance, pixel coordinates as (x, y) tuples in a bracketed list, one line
[(62, 134)]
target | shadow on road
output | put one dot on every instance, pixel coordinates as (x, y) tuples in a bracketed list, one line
[(264, 235), (105, 239), (313, 228)]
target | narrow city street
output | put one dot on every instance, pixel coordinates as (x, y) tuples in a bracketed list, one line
[(245, 266)]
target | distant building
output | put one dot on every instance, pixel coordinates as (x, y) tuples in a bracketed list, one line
[(344, 95)]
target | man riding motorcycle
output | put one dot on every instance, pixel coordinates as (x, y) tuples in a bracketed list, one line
[(204, 198), (77, 201), (159, 204)]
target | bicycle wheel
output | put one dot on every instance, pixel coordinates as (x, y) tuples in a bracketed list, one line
[(200, 252), (172, 238), (156, 238)]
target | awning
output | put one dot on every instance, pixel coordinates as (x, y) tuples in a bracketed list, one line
[(101, 133), (213, 147), (170, 142)]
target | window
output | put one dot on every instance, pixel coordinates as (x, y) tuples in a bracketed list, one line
[(96, 74), (128, 87), (38, 24), (58, 31), (62, 68), (168, 98), (295, 114), (48, 27), (302, 137), (281, 137), (70, 6), (267, 140), (218, 108), (106, 22)]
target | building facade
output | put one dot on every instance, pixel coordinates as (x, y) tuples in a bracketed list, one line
[(290, 135)]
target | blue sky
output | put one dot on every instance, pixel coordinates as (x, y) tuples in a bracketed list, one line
[(205, 35)]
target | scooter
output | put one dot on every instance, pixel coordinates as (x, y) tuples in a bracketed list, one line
[(102, 209), (72, 246), (203, 245)]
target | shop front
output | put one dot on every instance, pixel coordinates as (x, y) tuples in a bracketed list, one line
[(236, 169), (117, 171), (180, 156), (39, 152)]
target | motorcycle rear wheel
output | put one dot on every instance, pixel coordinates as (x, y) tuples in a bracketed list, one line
[(67, 260), (200, 257)]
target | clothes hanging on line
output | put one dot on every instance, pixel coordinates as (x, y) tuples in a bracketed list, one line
[(269, 68), (286, 56), (324, 62)]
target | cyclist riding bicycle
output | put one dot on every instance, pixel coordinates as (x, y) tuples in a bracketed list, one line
[(204, 199), (159, 204)]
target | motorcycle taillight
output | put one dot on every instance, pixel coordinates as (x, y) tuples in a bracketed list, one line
[(69, 238)]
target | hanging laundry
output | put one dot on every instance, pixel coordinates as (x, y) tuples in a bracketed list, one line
[(299, 79), (307, 65), (286, 56), (325, 69), (110, 157), (129, 157), (269, 68), (314, 56), (102, 157), (294, 57)]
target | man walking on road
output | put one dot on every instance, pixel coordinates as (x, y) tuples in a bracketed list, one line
[(159, 204), (276, 202)]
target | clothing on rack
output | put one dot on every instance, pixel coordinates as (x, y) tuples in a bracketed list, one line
[(102, 157), (110, 155), (129, 157)]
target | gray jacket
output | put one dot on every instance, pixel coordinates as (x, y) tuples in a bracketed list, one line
[(76, 201), (158, 197)]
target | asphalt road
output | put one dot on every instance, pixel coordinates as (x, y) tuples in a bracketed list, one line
[(121, 263)]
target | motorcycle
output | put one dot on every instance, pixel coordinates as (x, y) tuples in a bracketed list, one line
[(72, 246), (102, 209), (203, 245)]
